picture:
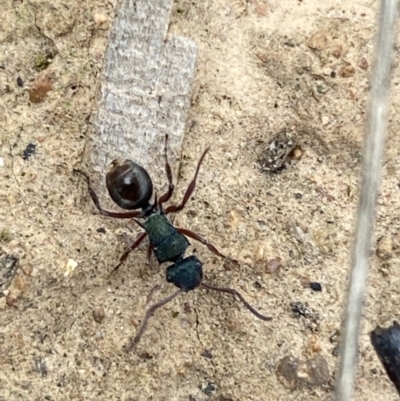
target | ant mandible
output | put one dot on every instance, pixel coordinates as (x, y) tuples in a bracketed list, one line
[(131, 188)]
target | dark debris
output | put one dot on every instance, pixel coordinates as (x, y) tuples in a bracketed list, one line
[(386, 343), (40, 365), (316, 286), (300, 309), (208, 389), (8, 270), (279, 152), (207, 354), (29, 151)]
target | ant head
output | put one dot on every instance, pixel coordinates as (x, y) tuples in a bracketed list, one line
[(129, 185), (186, 273)]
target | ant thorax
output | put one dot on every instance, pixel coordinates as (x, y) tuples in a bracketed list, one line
[(168, 244)]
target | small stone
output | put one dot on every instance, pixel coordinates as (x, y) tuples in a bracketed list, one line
[(5, 235), (274, 265), (385, 248), (101, 20), (99, 315), (325, 120), (10, 299), (19, 283), (231, 264), (318, 41), (208, 389), (363, 64), (315, 345), (316, 286), (297, 154), (40, 88), (27, 269), (207, 354), (347, 71), (70, 267)]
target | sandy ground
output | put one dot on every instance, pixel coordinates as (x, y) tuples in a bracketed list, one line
[(262, 67)]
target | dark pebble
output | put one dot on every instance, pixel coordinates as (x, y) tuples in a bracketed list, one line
[(316, 286)]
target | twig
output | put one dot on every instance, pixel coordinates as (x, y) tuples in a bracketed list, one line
[(374, 142)]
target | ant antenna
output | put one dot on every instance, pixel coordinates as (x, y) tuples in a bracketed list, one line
[(234, 292), (129, 347)]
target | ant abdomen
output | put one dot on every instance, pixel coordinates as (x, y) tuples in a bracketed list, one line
[(129, 184)]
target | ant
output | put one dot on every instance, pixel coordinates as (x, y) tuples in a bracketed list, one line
[(131, 188)]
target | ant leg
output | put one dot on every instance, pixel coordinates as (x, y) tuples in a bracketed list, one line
[(167, 196), (149, 252), (146, 318), (125, 255), (235, 293), (96, 202), (190, 189), (197, 237), (156, 288)]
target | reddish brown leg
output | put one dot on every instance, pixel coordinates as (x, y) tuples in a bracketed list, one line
[(146, 318), (125, 255), (167, 196), (197, 237), (189, 191), (236, 293), (149, 252), (96, 202)]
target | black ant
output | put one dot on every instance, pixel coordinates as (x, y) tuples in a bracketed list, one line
[(131, 188)]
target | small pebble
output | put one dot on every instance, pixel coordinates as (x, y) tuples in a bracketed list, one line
[(325, 120), (207, 354), (10, 299), (316, 286), (99, 314), (274, 265), (70, 267), (208, 389), (385, 248), (19, 283), (101, 20), (347, 71), (230, 264), (363, 64)]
